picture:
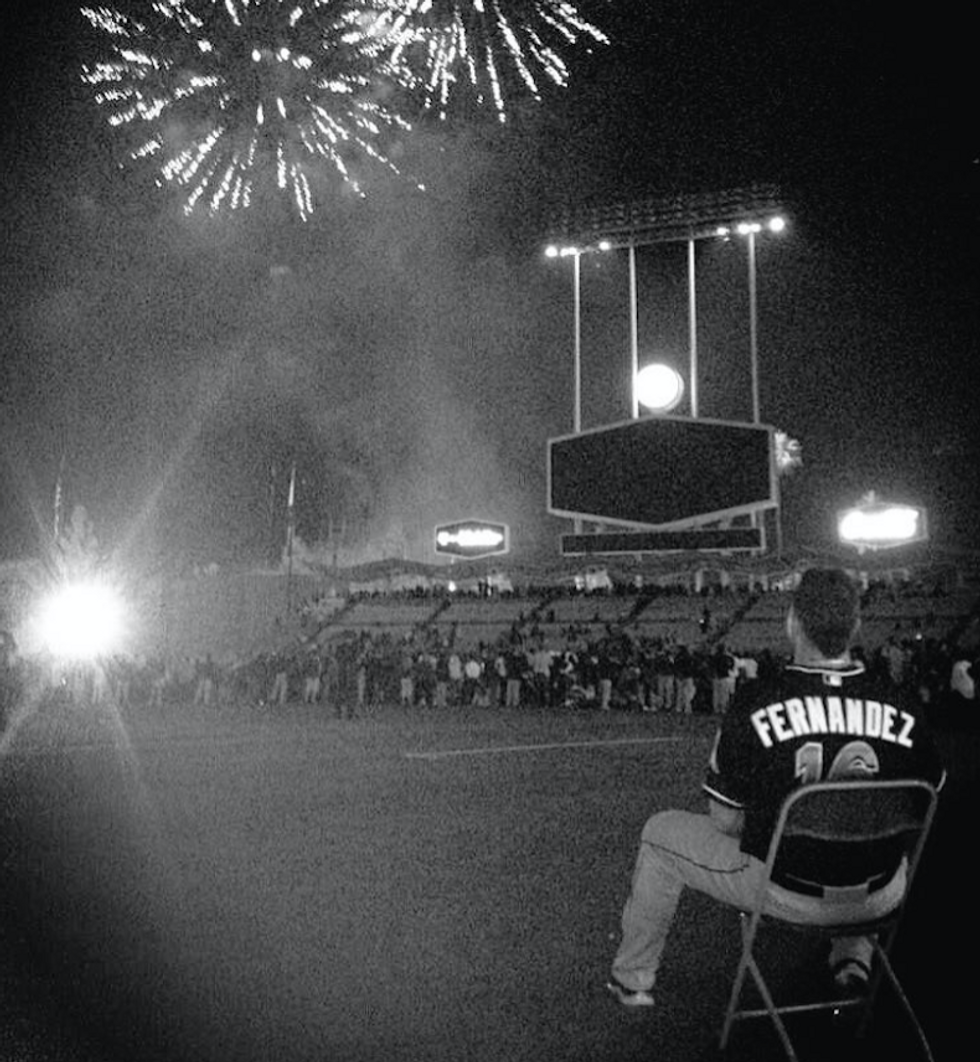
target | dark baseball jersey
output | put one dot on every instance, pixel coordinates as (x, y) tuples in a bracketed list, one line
[(809, 724)]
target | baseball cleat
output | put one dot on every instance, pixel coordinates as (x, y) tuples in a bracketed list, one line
[(851, 976), (627, 996)]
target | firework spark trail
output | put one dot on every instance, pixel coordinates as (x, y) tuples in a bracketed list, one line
[(486, 43), (219, 92)]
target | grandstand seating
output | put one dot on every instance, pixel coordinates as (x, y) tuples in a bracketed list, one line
[(470, 621), (883, 616), (394, 616), (589, 608), (235, 614), (906, 616)]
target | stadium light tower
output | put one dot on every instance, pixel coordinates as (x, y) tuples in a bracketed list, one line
[(675, 219), (669, 219)]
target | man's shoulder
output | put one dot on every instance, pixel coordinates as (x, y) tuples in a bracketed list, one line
[(795, 680), (761, 689)]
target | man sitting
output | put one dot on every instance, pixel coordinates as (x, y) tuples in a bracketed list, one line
[(820, 718)]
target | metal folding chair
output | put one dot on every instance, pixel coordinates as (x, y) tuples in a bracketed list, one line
[(898, 814)]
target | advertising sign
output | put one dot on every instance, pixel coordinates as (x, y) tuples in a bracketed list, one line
[(471, 539)]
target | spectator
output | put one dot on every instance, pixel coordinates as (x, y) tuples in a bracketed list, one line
[(279, 693), (541, 676), (962, 684), (312, 675), (516, 663), (406, 690), (205, 681), (723, 672), (472, 680), (454, 670), (684, 673)]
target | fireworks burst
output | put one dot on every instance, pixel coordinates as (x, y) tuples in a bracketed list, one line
[(217, 92), (489, 44)]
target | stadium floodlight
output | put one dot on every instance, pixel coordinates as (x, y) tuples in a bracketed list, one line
[(471, 539), (659, 387), (665, 218), (81, 621), (876, 524)]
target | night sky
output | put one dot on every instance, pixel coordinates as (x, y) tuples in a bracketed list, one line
[(411, 352)]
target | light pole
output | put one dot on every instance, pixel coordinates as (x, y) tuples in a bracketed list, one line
[(634, 334), (692, 325), (750, 229), (753, 328), (575, 253), (290, 536), (577, 346)]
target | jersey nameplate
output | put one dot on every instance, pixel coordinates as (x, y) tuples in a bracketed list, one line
[(802, 716)]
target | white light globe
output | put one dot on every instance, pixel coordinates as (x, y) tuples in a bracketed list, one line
[(659, 388), (893, 523), (81, 621)]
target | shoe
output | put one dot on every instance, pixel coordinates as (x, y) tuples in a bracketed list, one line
[(851, 976), (627, 996)]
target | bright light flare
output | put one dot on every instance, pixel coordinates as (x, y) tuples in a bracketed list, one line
[(659, 388), (878, 525), (888, 525), (82, 621), (570, 250), (471, 537), (775, 225)]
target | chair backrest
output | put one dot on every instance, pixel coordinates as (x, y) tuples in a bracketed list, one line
[(845, 832)]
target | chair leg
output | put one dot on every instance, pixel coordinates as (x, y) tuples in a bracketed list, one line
[(748, 926), (733, 1003), (773, 1010), (888, 970), (748, 965)]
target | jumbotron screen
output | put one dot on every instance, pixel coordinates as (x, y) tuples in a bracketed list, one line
[(662, 471)]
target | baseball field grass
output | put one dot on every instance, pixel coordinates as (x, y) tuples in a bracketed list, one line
[(245, 885)]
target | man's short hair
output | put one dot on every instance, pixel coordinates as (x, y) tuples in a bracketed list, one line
[(827, 604)]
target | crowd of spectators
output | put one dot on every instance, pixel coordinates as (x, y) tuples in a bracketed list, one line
[(359, 672), (580, 665)]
